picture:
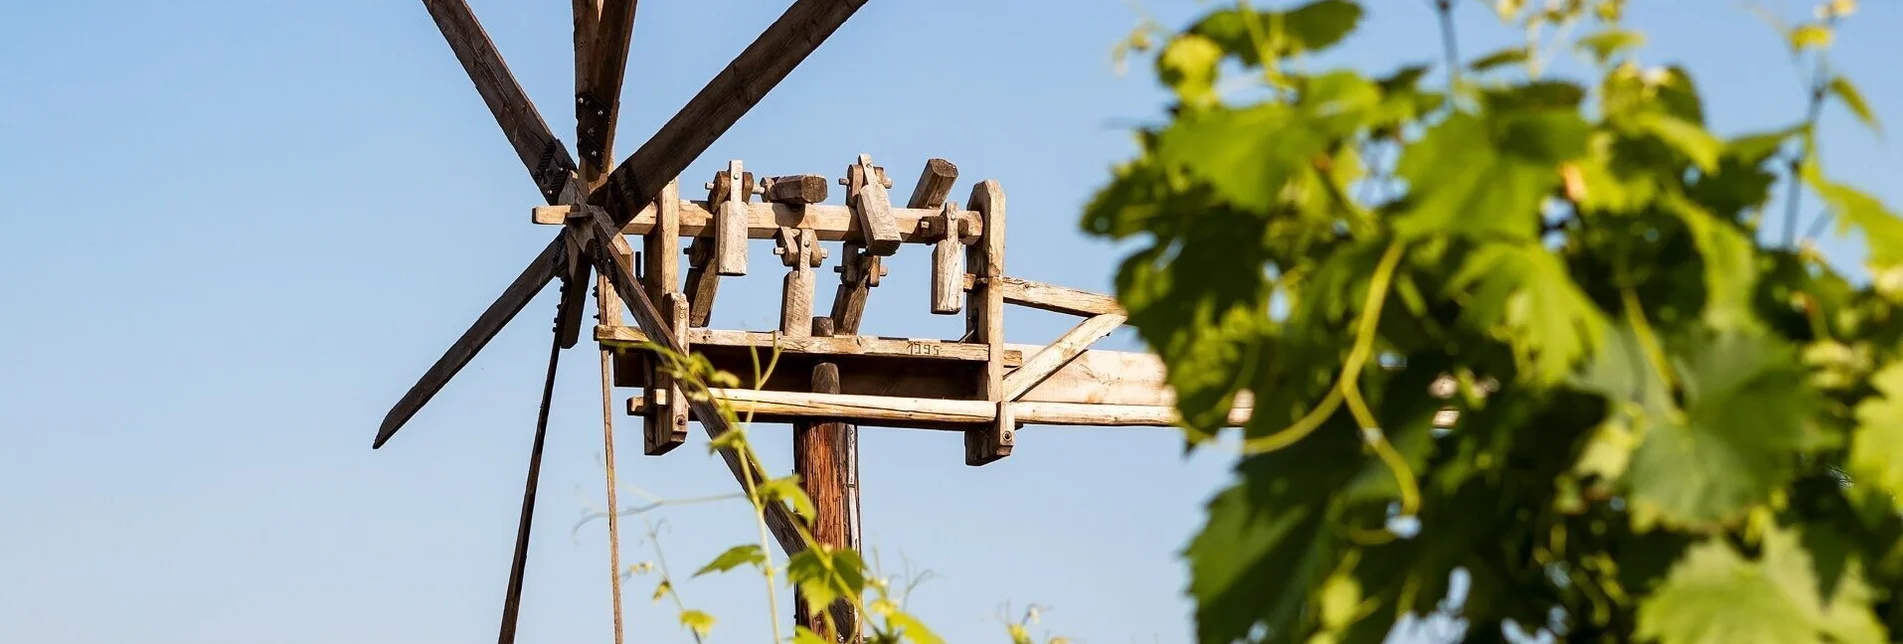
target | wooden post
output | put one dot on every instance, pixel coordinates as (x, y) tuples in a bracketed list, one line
[(799, 249), (860, 266), (664, 428), (703, 274), (984, 323), (826, 457)]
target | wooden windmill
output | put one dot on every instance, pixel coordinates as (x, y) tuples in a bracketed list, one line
[(830, 378)]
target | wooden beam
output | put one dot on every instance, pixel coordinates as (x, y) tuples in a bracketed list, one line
[(795, 189), (1056, 299), (547, 161), (984, 322), (517, 295), (833, 346), (764, 220), (936, 413), (826, 458), (1041, 365), (934, 185), (598, 94), (721, 103), (746, 469)]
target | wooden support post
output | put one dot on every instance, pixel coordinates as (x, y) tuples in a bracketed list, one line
[(703, 274), (984, 323), (665, 426), (730, 225), (826, 457)]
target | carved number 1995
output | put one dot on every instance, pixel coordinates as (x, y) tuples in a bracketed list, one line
[(921, 349)]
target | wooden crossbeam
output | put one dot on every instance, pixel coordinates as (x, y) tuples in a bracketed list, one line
[(620, 269), (829, 345), (935, 413), (1039, 367), (721, 103), (1056, 299), (764, 220), (547, 161), (633, 184)]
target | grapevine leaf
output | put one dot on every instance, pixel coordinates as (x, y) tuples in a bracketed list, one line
[(698, 621), (804, 635), (1715, 595), (1487, 177), (734, 557), (1508, 56), (1810, 37), (1686, 137), (1879, 435), (1188, 65), (1882, 229), (1247, 155), (1842, 88), (912, 629), (1522, 295), (787, 488), (1311, 27), (1730, 278), (1747, 404)]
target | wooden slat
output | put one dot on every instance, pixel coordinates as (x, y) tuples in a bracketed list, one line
[(721, 103), (517, 295), (598, 95), (547, 161), (934, 185), (764, 220), (1040, 366), (834, 346), (748, 470), (935, 413), (1056, 299)]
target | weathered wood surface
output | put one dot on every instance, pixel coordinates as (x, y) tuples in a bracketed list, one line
[(598, 88), (872, 208), (934, 184), (547, 160), (1042, 364), (826, 458), (513, 298), (984, 323), (795, 189), (948, 265), (1048, 297), (829, 222), (730, 222), (936, 413), (703, 255), (834, 346), (721, 103), (779, 518)]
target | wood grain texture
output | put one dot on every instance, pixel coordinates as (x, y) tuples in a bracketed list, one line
[(517, 295), (826, 458), (878, 229), (934, 185), (598, 88), (937, 413), (843, 345), (795, 189), (747, 470), (764, 220), (1041, 365), (985, 322), (948, 266), (666, 429), (1047, 297), (726, 97), (730, 223), (548, 162)]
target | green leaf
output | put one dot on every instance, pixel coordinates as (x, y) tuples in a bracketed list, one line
[(1714, 595), (912, 629), (1688, 138), (1311, 27), (1508, 56), (787, 488), (1521, 294), (1476, 179), (749, 554), (1609, 43), (1853, 99), (1876, 446), (1882, 229), (1730, 276), (1188, 65), (1249, 156), (804, 635), (698, 621), (1744, 424)]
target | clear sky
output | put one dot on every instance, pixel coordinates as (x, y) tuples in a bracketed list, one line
[(235, 232)]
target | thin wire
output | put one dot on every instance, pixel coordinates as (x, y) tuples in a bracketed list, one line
[(512, 599)]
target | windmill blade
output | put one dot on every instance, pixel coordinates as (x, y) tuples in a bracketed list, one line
[(600, 69), (516, 296), (512, 598), (547, 161), (720, 104)]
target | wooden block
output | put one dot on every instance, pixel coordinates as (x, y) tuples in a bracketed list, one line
[(948, 266), (985, 322), (934, 185), (873, 208), (730, 239), (795, 189), (667, 428)]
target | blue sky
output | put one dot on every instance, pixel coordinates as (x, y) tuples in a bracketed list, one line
[(236, 232)]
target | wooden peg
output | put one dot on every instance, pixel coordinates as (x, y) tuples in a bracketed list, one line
[(703, 277), (934, 185), (730, 225), (948, 266), (795, 189), (798, 249), (872, 207)]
